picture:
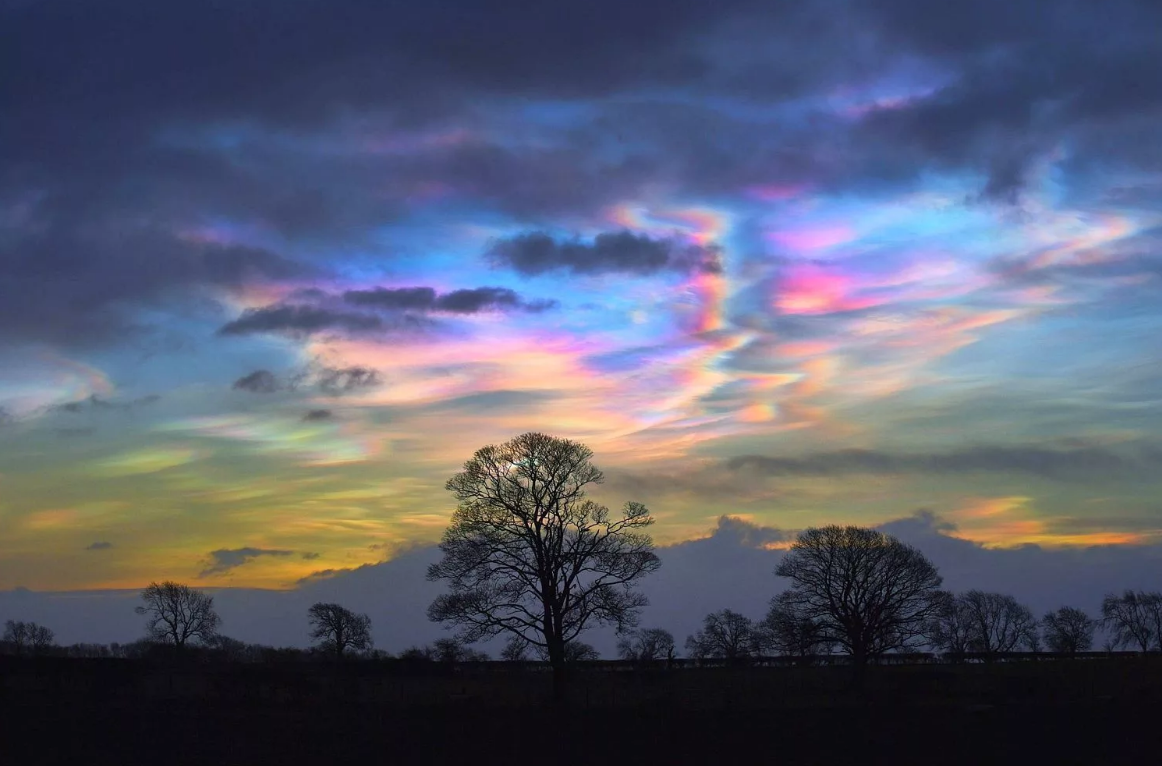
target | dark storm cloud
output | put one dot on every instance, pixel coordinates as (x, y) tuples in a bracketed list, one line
[(224, 560), (1023, 78), (99, 546), (258, 382), (1080, 464), (612, 252), (72, 283), (422, 299)]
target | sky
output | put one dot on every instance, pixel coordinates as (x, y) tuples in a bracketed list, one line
[(272, 271)]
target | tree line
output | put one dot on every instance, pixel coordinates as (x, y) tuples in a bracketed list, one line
[(530, 557)]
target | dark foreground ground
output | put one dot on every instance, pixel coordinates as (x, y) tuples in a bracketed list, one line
[(1097, 714)]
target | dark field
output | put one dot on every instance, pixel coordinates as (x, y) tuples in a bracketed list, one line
[(125, 712)]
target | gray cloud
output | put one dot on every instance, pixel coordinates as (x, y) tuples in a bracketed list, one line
[(316, 415), (341, 380), (224, 560), (96, 404), (612, 252), (398, 299), (423, 299), (300, 320), (99, 546), (1077, 464), (258, 382)]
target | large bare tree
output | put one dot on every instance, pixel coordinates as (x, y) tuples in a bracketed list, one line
[(528, 554), (869, 592), (177, 614), (336, 629), (1068, 630)]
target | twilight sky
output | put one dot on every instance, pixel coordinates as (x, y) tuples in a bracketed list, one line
[(273, 270)]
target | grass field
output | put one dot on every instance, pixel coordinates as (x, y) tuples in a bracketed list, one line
[(70, 711)]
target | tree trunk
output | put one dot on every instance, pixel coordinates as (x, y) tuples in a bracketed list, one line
[(557, 662), (859, 667)]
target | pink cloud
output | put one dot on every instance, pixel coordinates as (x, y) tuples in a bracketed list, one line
[(808, 289)]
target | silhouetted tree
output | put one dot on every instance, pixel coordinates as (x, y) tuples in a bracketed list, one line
[(725, 635), (1133, 619), (996, 622), (579, 651), (949, 630), (1068, 630), (336, 629), (27, 637), (177, 614), (869, 592), (788, 632), (516, 649), (418, 654), (451, 651), (647, 646), (527, 554)]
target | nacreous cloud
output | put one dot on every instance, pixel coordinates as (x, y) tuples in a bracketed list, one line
[(612, 252), (1080, 464)]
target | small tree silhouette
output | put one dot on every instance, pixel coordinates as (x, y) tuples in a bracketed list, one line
[(647, 646), (786, 631), (336, 629), (27, 637), (1133, 619), (996, 622), (1068, 630), (725, 635)]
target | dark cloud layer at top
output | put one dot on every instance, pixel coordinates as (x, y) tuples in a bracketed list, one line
[(612, 252), (1078, 464), (131, 122)]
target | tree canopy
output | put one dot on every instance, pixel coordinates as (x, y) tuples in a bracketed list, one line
[(177, 614), (868, 592)]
